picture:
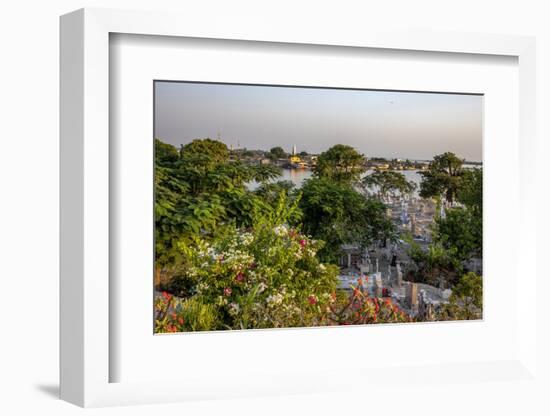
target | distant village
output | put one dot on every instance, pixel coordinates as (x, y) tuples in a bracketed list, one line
[(303, 160)]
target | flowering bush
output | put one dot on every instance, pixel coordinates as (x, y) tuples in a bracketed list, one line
[(359, 308), (176, 315), (265, 277)]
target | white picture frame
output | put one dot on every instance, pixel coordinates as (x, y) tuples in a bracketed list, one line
[(85, 217)]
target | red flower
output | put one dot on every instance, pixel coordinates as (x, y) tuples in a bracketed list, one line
[(240, 277), (312, 300), (180, 320), (303, 243), (227, 291), (167, 296)]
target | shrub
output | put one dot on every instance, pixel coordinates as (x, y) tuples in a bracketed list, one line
[(466, 301), (359, 308), (177, 315), (265, 277)]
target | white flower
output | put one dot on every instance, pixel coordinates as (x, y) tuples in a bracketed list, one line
[(311, 252), (234, 308), (246, 238), (280, 230), (275, 299), (222, 301)]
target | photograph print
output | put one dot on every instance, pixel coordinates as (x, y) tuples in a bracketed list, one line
[(288, 207)]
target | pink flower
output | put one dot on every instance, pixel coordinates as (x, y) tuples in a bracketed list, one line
[(240, 277), (312, 299), (227, 291), (303, 243)]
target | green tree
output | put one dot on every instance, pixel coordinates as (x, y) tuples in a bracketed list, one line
[(270, 191), (470, 192), (340, 163), (337, 214), (462, 227), (434, 266), (165, 154), (212, 150), (278, 152), (388, 183), (443, 177), (197, 192), (460, 231), (264, 173)]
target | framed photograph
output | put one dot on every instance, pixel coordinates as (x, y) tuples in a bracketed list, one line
[(247, 214), (254, 231)]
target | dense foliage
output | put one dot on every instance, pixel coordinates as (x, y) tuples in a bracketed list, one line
[(338, 214), (458, 234), (443, 177), (461, 229), (466, 301), (198, 190), (277, 152), (340, 163), (229, 257), (388, 183)]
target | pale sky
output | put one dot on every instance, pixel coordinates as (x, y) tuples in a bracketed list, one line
[(376, 123)]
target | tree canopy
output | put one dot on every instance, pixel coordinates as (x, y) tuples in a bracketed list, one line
[(340, 163), (239, 257), (462, 227), (198, 190), (443, 177), (212, 150), (470, 192), (278, 152), (336, 213), (388, 183)]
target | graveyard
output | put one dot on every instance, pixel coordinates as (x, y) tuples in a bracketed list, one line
[(381, 268)]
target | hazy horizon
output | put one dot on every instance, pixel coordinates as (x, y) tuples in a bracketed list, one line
[(406, 125)]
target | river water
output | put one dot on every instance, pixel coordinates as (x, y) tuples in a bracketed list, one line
[(298, 176)]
